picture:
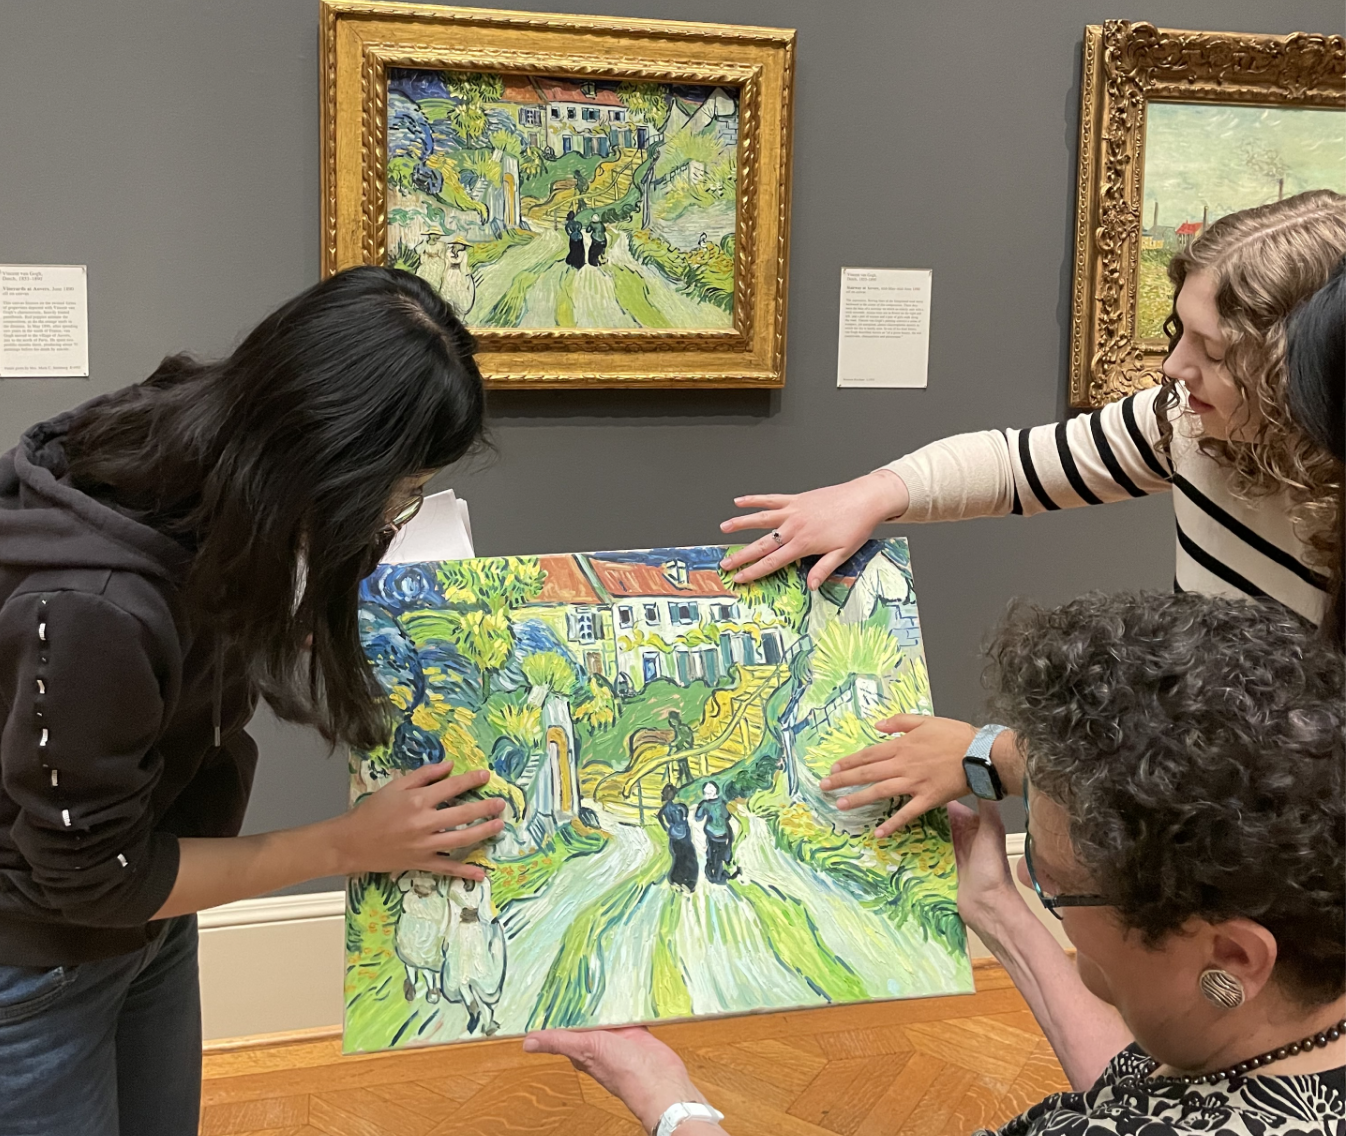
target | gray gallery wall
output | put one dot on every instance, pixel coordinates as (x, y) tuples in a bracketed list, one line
[(172, 145)]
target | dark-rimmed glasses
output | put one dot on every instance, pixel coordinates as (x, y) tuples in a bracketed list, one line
[(1052, 902)]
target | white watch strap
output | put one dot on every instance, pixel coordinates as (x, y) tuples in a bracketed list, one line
[(983, 740), (675, 1114)]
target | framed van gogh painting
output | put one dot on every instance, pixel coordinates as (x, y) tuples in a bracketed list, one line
[(658, 734), (604, 202), (1177, 129)]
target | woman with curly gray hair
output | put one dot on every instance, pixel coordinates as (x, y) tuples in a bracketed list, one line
[(1185, 760)]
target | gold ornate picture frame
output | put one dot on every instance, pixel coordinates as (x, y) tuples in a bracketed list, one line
[(1129, 69), (607, 200)]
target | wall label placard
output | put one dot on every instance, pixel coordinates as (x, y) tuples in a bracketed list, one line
[(44, 321), (884, 335)]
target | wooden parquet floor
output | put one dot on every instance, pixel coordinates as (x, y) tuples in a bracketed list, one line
[(929, 1067)]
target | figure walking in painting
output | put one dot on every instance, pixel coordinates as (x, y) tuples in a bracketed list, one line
[(444, 267), (575, 232), (713, 812), (474, 954), (683, 740), (458, 287), (419, 939), (673, 816), (598, 240)]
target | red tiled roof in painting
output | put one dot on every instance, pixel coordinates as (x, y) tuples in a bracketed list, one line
[(621, 579), (1189, 227), (565, 582), (560, 91), (521, 89)]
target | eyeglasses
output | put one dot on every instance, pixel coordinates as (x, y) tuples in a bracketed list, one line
[(1052, 902), (404, 515)]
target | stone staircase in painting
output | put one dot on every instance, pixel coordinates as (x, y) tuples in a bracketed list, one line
[(732, 726)]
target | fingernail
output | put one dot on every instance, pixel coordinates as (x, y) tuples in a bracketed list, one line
[(724, 563), (844, 803), (825, 783), (530, 1045)]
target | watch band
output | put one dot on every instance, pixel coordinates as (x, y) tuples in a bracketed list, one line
[(978, 757), (982, 742), (675, 1114)]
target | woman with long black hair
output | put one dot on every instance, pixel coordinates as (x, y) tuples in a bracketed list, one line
[(170, 553)]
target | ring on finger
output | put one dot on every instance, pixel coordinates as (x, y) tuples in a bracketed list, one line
[(776, 536)]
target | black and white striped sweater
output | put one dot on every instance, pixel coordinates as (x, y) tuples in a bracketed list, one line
[(1225, 545)]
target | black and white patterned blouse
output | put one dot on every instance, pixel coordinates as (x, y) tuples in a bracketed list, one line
[(1124, 1102)]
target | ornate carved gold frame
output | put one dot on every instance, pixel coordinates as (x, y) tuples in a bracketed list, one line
[(1127, 66), (360, 40)]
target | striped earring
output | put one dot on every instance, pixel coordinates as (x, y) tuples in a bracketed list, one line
[(1221, 988)]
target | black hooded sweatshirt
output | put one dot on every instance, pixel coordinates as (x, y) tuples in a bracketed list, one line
[(121, 729)]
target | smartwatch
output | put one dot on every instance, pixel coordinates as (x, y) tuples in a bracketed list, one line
[(675, 1114), (978, 768)]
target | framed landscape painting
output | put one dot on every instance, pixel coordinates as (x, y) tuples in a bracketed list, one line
[(1178, 129), (603, 202), (657, 734)]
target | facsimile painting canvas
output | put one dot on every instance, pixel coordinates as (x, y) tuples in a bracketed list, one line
[(553, 202), (658, 734)]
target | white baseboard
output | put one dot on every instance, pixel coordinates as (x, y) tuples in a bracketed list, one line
[(272, 965), (277, 965)]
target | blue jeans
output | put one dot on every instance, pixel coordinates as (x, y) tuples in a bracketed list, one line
[(106, 1048)]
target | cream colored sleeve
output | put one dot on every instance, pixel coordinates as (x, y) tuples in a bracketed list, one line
[(967, 475), (1108, 455)]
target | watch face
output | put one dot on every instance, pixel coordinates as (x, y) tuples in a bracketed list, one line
[(979, 780)]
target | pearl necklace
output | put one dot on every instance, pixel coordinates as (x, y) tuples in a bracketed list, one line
[(1319, 1040)]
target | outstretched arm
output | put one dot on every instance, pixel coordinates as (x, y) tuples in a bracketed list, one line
[(1109, 455), (398, 827)]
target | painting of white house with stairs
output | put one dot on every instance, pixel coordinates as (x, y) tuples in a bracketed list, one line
[(548, 202), (658, 734)]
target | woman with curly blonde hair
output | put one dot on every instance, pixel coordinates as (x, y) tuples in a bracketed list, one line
[(1253, 269), (1255, 498), (1255, 501)]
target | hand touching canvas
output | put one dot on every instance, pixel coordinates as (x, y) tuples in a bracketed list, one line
[(658, 735)]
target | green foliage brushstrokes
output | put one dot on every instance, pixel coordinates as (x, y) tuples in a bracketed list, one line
[(668, 989), (573, 989), (508, 310), (529, 875), (484, 253), (793, 934), (927, 895), (633, 294)]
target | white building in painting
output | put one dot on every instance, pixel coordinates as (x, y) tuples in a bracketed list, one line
[(570, 117), (632, 622)]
